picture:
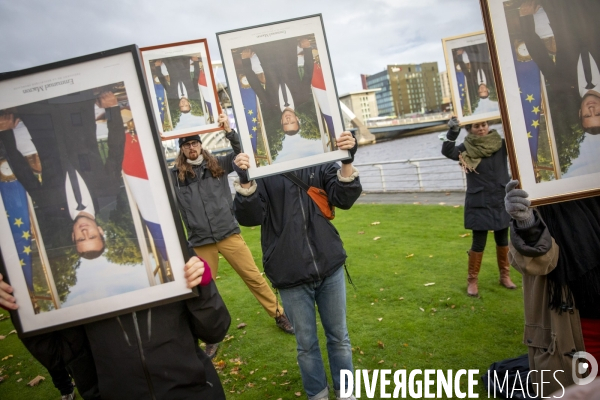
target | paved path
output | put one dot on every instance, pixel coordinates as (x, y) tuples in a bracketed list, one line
[(449, 198)]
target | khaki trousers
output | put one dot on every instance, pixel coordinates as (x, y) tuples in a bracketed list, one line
[(237, 254)]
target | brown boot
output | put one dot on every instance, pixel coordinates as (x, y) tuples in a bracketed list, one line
[(474, 267), (504, 267)]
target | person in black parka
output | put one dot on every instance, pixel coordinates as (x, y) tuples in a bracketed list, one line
[(482, 156)]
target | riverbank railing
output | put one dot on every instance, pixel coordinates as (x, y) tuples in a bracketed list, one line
[(431, 174), (442, 117)]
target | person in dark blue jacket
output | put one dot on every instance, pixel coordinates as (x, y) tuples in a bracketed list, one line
[(303, 256)]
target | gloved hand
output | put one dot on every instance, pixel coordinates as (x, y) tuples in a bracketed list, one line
[(454, 124), (240, 165), (518, 205)]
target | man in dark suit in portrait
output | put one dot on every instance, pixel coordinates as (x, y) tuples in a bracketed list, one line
[(180, 79), (572, 73), (74, 174), (478, 72), (288, 68)]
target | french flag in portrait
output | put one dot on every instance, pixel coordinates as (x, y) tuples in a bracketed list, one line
[(137, 179), (206, 94), (318, 87)]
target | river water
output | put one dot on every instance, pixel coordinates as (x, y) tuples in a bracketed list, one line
[(427, 175)]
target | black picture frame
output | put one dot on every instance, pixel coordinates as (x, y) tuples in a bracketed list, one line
[(55, 115), (316, 105)]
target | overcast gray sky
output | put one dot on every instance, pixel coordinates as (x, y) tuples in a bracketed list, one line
[(363, 35)]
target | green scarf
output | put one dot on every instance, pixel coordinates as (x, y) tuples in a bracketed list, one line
[(478, 147)]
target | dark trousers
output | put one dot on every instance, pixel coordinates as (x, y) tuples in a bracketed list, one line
[(480, 238)]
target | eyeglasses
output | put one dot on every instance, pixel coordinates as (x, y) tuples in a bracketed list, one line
[(194, 143)]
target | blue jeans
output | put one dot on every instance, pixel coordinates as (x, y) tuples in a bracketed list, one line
[(329, 294)]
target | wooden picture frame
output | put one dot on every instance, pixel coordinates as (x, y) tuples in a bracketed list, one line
[(542, 87), (182, 88), (88, 220), (471, 78)]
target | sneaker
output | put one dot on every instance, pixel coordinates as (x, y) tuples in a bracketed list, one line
[(346, 398), (211, 350), (69, 396), (284, 324)]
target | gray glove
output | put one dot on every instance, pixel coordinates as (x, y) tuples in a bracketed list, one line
[(454, 124), (518, 205)]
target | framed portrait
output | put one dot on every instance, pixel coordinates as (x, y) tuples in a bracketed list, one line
[(546, 63), (283, 94), (471, 78), (182, 88), (88, 222)]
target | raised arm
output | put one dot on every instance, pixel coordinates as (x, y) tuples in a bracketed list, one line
[(210, 318), (249, 203), (449, 148)]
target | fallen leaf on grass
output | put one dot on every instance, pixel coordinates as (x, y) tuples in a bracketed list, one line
[(472, 308), (430, 256), (375, 223), (380, 344), (19, 380), (410, 255), (416, 202), (433, 310), (405, 344), (422, 309), (429, 284), (376, 238), (400, 298), (2, 337), (361, 232), (298, 394), (7, 357), (250, 385), (11, 332), (219, 364), (242, 325), (284, 383), (379, 319), (452, 306), (456, 206), (380, 362), (228, 338), (35, 381), (465, 235), (381, 290)]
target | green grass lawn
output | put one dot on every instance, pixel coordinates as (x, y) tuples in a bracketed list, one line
[(394, 320)]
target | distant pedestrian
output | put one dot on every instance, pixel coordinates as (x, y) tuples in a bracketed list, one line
[(483, 157)]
